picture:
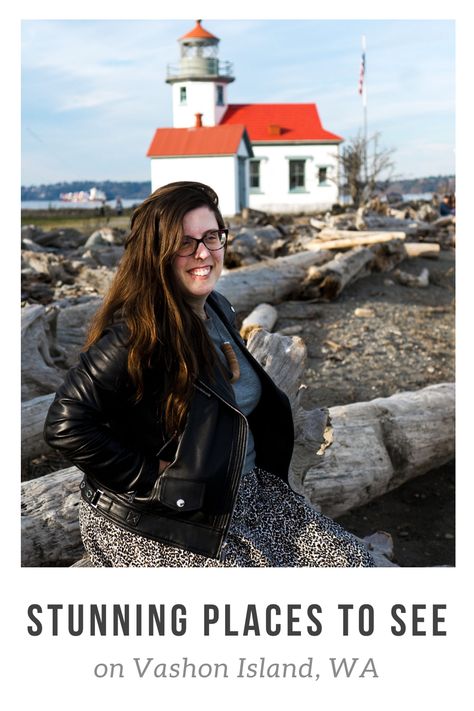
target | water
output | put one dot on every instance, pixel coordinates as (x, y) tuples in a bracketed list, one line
[(127, 202), (418, 196), (62, 205)]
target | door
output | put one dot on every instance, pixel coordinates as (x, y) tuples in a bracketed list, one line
[(242, 187)]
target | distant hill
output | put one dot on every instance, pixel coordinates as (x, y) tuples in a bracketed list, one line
[(129, 190), (433, 184)]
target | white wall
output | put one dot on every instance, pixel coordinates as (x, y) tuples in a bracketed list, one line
[(275, 196), (201, 97), (217, 171)]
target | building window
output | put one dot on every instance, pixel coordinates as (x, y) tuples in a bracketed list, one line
[(182, 94), (254, 175), (323, 175), (297, 178), (220, 95)]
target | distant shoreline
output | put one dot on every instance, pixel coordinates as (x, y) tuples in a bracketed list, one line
[(70, 207), (63, 205)]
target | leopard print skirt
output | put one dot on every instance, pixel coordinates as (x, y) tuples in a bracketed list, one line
[(272, 526)]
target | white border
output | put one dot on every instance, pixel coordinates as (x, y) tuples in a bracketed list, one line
[(55, 672)]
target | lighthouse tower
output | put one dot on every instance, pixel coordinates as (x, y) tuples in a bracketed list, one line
[(199, 80)]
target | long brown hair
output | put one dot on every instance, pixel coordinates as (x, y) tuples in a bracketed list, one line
[(143, 294)]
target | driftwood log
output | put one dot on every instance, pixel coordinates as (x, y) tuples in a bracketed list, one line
[(377, 446), (39, 374), (344, 457), (33, 414), (71, 327), (409, 226), (271, 281), (327, 281), (252, 244), (346, 239), (263, 316), (387, 255), (49, 519), (422, 249)]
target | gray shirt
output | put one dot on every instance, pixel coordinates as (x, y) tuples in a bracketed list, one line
[(247, 389)]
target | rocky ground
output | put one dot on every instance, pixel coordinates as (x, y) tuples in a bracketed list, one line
[(404, 342), (377, 338)]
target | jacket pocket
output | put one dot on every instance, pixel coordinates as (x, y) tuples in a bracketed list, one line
[(180, 494)]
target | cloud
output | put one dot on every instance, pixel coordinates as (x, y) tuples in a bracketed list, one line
[(90, 100)]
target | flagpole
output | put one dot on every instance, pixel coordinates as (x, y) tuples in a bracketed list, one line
[(364, 105)]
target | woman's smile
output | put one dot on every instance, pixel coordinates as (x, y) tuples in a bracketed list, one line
[(201, 272), (196, 275)]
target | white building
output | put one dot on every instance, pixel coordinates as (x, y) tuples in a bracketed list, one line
[(215, 155), (272, 157)]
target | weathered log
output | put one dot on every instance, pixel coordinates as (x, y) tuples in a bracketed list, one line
[(271, 281), (352, 238), (348, 243), (33, 414), (422, 249), (360, 218), (409, 226), (327, 282), (71, 325), (377, 446), (263, 316), (284, 359), (251, 245), (102, 255), (415, 280), (317, 224), (387, 255), (49, 519), (63, 238), (445, 221), (106, 236), (54, 266), (39, 375)]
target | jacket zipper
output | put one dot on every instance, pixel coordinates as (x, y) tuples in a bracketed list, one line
[(242, 448)]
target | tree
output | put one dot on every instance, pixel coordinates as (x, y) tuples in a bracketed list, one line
[(363, 164)]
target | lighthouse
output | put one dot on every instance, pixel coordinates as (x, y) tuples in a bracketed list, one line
[(271, 157), (199, 80)]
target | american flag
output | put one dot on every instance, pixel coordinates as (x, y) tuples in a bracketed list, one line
[(362, 73)]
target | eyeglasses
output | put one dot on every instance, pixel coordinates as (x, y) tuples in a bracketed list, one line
[(212, 240)]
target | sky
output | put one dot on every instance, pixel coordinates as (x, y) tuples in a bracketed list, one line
[(93, 91)]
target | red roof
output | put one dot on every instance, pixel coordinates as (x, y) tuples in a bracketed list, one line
[(205, 140), (198, 32), (279, 122)]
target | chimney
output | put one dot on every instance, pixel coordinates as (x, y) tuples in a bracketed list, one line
[(274, 129), (198, 123)]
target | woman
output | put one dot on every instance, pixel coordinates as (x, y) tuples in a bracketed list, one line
[(184, 440)]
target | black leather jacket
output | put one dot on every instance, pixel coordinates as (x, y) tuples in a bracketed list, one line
[(95, 423)]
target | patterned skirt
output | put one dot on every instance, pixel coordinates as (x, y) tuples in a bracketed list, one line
[(272, 526)]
